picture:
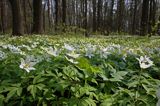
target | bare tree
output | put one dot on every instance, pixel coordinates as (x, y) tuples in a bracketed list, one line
[(17, 20), (144, 18)]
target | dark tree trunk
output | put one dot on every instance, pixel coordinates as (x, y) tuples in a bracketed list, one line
[(64, 13), (25, 16), (111, 16), (64, 6), (144, 18), (37, 17), (99, 15), (152, 14), (49, 13), (4, 15), (120, 15), (44, 17), (94, 16), (57, 13), (134, 17), (17, 20), (85, 19)]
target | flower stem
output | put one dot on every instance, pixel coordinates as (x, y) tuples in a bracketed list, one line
[(138, 87)]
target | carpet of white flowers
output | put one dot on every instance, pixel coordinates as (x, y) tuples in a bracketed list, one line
[(73, 71)]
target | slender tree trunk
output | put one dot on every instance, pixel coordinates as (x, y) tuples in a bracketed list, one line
[(120, 15), (85, 19), (25, 16), (64, 6), (64, 13), (49, 13), (144, 18), (44, 17), (17, 20), (134, 17), (99, 15), (37, 17), (4, 15), (56, 13), (94, 16), (111, 15), (152, 14)]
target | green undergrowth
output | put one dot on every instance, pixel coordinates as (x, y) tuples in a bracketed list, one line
[(78, 71)]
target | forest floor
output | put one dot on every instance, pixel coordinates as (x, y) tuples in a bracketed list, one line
[(71, 71)]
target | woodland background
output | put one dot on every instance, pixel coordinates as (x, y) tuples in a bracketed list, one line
[(135, 17)]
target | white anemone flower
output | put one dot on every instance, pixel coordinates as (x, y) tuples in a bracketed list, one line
[(53, 52), (145, 62), (90, 50), (71, 60), (2, 55), (14, 49), (27, 47), (68, 47), (104, 53), (73, 55), (28, 63)]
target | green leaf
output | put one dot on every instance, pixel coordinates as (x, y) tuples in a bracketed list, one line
[(2, 98), (19, 91), (133, 84), (33, 90), (85, 65), (87, 102), (11, 93), (150, 91), (118, 76), (38, 79), (40, 86)]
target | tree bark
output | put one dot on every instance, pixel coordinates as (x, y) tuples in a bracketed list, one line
[(17, 20), (64, 6), (4, 15), (99, 15), (85, 19), (111, 15), (152, 14), (49, 13), (57, 13), (144, 18), (120, 15), (37, 17), (134, 17), (94, 16), (25, 17)]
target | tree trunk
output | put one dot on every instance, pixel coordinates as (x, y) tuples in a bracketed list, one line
[(144, 18), (49, 13), (44, 17), (17, 20), (37, 17), (64, 11), (57, 14), (99, 15), (25, 16), (85, 19), (152, 14), (4, 15), (94, 16), (120, 15), (111, 16), (134, 17)]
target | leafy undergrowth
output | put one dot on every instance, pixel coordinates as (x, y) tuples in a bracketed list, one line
[(56, 71)]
